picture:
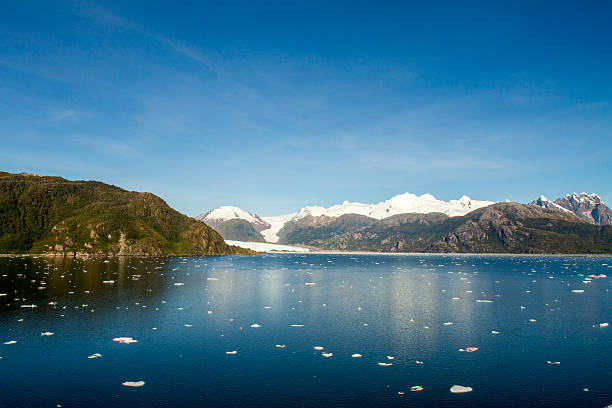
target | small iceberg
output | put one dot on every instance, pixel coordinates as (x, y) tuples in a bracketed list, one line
[(125, 340), (133, 383), (459, 389)]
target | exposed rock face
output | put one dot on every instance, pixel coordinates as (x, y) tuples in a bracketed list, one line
[(588, 207), (239, 230)]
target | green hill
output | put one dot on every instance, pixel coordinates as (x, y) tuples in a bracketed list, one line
[(239, 230), (54, 215)]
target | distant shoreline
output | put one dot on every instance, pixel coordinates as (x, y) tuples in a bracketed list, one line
[(314, 253)]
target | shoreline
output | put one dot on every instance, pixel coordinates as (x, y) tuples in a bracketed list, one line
[(323, 252)]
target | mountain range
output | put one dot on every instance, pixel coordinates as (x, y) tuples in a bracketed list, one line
[(410, 223)]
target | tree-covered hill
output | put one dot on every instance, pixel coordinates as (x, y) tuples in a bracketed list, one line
[(53, 215)]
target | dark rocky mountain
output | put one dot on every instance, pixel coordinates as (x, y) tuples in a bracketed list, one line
[(54, 215), (498, 228), (588, 207), (239, 230)]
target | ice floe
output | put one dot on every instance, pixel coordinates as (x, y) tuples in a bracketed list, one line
[(125, 340), (459, 389), (133, 383)]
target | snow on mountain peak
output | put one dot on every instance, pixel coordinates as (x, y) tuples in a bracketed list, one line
[(228, 212), (399, 204)]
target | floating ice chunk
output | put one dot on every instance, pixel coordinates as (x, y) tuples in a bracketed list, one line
[(133, 383), (319, 348), (385, 364), (95, 355), (10, 342), (179, 284), (280, 346), (255, 325), (577, 290), (327, 355), (47, 334), (231, 352), (448, 323), (125, 340), (459, 389), (416, 388), (356, 355)]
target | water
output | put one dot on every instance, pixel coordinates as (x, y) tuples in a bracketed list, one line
[(374, 305)]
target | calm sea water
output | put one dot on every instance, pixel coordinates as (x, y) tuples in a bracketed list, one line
[(187, 313)]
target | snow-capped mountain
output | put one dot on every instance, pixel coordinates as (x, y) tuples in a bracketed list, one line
[(216, 217), (589, 207), (399, 204), (546, 203)]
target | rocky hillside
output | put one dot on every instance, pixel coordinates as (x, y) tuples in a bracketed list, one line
[(54, 215), (498, 228), (239, 230)]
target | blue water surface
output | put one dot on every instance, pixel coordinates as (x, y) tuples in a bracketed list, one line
[(540, 342)]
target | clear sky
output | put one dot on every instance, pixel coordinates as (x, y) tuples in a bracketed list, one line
[(271, 106)]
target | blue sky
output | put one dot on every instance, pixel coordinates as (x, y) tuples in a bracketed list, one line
[(271, 106)]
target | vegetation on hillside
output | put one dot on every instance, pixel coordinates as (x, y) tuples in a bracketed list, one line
[(51, 214)]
